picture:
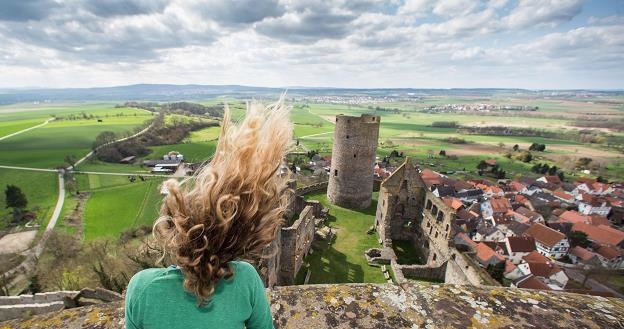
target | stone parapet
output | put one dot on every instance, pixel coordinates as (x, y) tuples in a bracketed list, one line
[(411, 305)]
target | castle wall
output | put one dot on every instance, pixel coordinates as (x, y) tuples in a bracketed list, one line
[(436, 229), (353, 158), (296, 241)]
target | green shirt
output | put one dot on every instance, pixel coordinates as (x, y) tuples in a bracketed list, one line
[(156, 299)]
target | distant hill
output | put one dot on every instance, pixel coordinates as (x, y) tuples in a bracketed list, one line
[(169, 92)]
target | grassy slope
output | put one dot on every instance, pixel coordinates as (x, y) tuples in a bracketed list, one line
[(344, 260), (40, 189)]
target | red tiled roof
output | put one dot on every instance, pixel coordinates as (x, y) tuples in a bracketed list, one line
[(521, 244), (491, 162), (599, 220), (453, 202), (533, 282), (544, 234), (500, 204), (564, 195), (553, 179), (535, 257), (545, 270), (608, 252), (571, 216), (582, 253), (466, 239), (601, 233), (509, 266), (485, 253)]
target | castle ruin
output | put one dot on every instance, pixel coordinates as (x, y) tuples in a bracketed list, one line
[(353, 159), (408, 210)]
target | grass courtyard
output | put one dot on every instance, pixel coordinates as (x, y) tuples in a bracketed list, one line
[(343, 261)]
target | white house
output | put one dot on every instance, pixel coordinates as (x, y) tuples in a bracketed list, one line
[(548, 242), (518, 247)]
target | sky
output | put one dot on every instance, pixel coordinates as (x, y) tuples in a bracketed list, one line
[(532, 44)]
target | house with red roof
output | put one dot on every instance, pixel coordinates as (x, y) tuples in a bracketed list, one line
[(610, 256), (601, 234), (571, 216), (564, 196), (518, 247), (548, 242), (580, 255), (545, 269), (487, 256), (594, 206), (530, 282)]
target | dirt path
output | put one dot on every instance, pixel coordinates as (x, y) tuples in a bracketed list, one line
[(25, 130), (17, 242)]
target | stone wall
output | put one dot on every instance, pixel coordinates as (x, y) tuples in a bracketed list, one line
[(412, 305), (353, 158), (322, 186), (295, 244), (408, 210)]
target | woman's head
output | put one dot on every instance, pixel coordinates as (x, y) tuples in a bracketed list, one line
[(233, 207)]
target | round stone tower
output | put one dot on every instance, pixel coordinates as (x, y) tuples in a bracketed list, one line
[(353, 160)]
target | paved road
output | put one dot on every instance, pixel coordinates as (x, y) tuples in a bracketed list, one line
[(33, 253), (27, 129), (578, 276), (113, 142)]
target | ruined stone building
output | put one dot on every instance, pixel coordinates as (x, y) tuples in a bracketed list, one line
[(353, 159), (284, 257), (408, 210)]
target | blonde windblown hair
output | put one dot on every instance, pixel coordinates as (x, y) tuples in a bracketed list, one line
[(234, 206)]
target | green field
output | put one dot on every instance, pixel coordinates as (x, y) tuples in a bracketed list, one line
[(40, 188), (344, 261), (47, 146), (113, 209)]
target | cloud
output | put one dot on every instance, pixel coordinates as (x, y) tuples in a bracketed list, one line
[(417, 43), (239, 12), (530, 13), (24, 10), (109, 8), (309, 25)]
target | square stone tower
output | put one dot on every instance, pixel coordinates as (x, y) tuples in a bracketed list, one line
[(353, 159)]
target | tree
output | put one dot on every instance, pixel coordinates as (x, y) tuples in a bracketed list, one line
[(561, 175), (71, 160), (516, 147), (553, 170), (578, 238), (442, 153), (15, 199), (104, 137), (583, 162), (482, 165), (496, 271)]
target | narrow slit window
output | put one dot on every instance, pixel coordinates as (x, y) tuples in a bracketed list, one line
[(335, 172)]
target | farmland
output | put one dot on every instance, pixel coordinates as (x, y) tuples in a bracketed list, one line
[(110, 206)]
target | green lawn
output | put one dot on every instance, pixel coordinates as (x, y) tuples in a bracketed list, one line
[(344, 260), (46, 147), (193, 151), (9, 127), (112, 210), (40, 188)]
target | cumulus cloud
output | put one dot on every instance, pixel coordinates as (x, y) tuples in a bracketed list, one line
[(417, 43), (24, 10), (543, 12), (108, 8)]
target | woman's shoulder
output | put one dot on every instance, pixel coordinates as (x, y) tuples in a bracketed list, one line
[(243, 268), (143, 278)]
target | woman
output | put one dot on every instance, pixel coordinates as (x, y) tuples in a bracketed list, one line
[(232, 210)]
